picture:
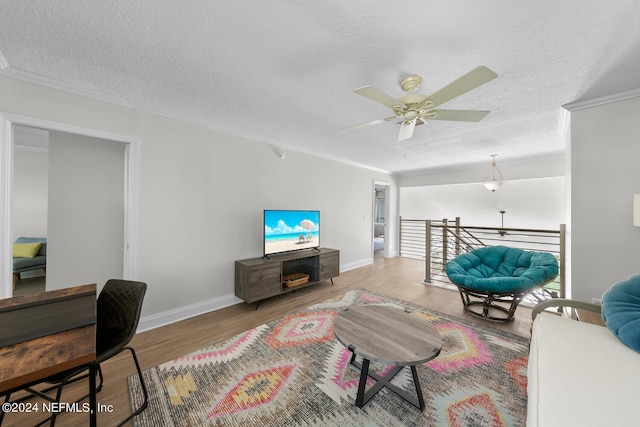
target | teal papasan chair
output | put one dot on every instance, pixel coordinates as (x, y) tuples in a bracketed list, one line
[(499, 274)]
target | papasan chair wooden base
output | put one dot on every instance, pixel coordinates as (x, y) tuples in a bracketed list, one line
[(488, 306), (499, 277)]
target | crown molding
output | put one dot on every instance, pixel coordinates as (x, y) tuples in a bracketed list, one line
[(607, 99), (56, 84), (3, 62)]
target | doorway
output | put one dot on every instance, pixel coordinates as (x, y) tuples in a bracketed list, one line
[(380, 245), (71, 244), (29, 206)]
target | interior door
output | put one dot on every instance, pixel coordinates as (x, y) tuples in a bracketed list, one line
[(86, 210)]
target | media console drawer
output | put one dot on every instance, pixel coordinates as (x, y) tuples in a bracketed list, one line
[(260, 278), (264, 274), (329, 265)]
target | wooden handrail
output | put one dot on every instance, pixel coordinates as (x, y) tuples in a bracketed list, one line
[(528, 230)]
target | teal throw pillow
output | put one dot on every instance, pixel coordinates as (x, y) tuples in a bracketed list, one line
[(621, 310)]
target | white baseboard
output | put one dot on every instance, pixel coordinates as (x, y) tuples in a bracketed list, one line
[(357, 264), (165, 318)]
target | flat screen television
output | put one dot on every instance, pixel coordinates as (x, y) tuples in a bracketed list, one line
[(290, 230)]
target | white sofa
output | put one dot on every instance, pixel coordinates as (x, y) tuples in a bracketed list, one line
[(580, 374)]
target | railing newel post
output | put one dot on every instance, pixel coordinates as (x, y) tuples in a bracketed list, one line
[(457, 235), (427, 254), (400, 238), (563, 259), (445, 242)]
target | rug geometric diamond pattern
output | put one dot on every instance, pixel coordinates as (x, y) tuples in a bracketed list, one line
[(340, 380), (223, 351), (292, 371), (477, 409), (461, 349), (179, 387), (517, 369), (254, 389), (302, 329)]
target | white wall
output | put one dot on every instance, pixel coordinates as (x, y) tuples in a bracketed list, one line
[(605, 173), (532, 203), (202, 193), (30, 188)]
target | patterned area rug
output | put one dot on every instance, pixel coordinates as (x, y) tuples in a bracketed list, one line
[(293, 372)]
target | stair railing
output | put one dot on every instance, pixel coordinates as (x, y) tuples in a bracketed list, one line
[(438, 241)]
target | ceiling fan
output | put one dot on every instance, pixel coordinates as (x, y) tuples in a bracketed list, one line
[(415, 109)]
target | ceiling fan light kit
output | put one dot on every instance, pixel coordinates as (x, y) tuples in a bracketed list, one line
[(416, 109), (493, 180)]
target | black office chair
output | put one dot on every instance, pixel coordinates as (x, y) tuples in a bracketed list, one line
[(117, 315)]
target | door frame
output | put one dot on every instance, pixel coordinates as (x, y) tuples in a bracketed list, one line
[(387, 187), (7, 122)]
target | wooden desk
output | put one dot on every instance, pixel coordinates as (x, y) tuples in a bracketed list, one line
[(29, 362)]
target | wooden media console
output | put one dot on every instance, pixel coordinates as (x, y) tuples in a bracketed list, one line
[(260, 278)]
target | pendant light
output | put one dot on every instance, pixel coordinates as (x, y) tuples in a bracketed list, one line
[(502, 232), (493, 180)]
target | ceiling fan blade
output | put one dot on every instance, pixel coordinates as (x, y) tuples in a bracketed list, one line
[(469, 81), (378, 96), (460, 115), (373, 122), (406, 130)]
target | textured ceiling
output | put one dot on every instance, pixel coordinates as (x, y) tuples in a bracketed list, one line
[(283, 72)]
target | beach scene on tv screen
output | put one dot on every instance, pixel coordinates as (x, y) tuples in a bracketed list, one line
[(290, 230)]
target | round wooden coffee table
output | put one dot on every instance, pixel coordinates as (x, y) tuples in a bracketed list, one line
[(390, 336)]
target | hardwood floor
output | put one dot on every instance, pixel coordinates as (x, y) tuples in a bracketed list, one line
[(400, 278), (29, 284)]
